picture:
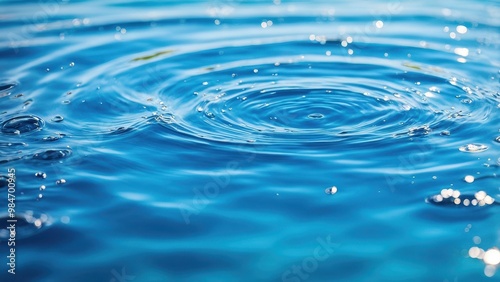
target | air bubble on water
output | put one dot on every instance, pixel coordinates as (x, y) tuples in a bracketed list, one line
[(199, 109), (42, 187), (453, 81), (473, 148), (466, 101), (209, 115), (445, 133), (497, 139), (66, 102), (331, 190), (315, 116), (41, 174), (57, 118), (40, 196), (72, 64), (60, 181), (205, 83)]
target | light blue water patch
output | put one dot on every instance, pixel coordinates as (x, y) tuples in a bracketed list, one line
[(233, 140)]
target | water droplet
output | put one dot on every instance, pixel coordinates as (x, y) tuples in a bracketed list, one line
[(60, 181), (199, 109), (445, 133), (41, 174), (473, 148), (419, 130), (22, 124), (57, 118), (42, 187), (209, 115), (315, 116), (497, 139), (331, 190), (72, 64), (53, 138)]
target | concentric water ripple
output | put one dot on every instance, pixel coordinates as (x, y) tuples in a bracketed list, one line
[(376, 127), (304, 98), (22, 124)]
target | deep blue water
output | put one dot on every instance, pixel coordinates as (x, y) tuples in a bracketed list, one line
[(200, 140)]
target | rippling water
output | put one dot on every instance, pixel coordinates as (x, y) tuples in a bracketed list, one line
[(251, 140)]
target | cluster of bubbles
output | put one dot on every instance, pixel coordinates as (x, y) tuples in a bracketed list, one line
[(43, 175), (454, 197), (490, 257)]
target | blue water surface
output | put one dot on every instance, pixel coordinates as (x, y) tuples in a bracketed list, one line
[(228, 140)]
